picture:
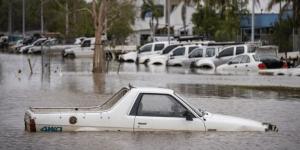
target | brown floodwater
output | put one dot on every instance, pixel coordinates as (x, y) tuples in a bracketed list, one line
[(65, 82)]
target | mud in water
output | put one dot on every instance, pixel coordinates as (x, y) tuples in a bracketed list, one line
[(65, 82)]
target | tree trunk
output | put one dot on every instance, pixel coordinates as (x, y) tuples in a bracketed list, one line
[(99, 23)]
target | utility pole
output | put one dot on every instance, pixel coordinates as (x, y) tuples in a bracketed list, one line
[(42, 16), (252, 22), (67, 20), (23, 18), (168, 18)]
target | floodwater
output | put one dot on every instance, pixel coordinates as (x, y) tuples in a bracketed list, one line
[(63, 82)]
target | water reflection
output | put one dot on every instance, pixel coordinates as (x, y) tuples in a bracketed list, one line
[(77, 86), (225, 91), (99, 83)]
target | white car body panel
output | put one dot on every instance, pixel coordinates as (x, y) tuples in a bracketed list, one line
[(143, 57), (118, 117), (240, 68), (158, 59), (179, 60), (80, 51), (130, 56), (281, 72)]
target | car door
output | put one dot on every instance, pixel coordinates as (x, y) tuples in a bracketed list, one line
[(224, 56), (158, 48), (248, 65), (234, 64), (163, 112), (197, 54), (146, 49)]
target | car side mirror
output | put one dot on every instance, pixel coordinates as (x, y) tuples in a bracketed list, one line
[(217, 56), (188, 116), (230, 63)]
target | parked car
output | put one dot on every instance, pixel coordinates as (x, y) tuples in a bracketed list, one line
[(85, 50), (38, 42), (163, 57), (179, 54), (144, 52), (52, 45), (137, 109), (151, 49), (225, 55), (251, 63), (4, 42), (201, 53), (282, 72), (16, 47)]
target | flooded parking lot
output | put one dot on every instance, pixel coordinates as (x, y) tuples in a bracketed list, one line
[(70, 83)]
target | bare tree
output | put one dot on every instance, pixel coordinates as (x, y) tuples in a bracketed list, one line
[(99, 17)]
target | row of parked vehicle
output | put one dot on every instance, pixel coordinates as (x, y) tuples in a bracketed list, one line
[(36, 46), (223, 57)]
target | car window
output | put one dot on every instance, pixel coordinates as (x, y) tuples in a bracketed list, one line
[(210, 52), (192, 48), (245, 59), (197, 53), (226, 52), (38, 43), (160, 105), (159, 47), (239, 50), (252, 49), (179, 51), (236, 60), (86, 43), (146, 48), (169, 48)]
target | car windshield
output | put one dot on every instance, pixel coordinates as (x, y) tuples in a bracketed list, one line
[(114, 99), (169, 48), (198, 111), (252, 48), (146, 48), (264, 57)]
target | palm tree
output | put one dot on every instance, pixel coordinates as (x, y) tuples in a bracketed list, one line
[(183, 11), (150, 7), (287, 3)]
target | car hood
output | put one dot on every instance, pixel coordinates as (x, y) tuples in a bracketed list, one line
[(218, 122)]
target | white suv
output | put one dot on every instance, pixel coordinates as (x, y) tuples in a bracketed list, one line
[(179, 54), (225, 55)]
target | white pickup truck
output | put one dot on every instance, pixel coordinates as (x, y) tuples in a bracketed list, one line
[(137, 109)]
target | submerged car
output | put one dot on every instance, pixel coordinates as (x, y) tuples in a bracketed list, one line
[(251, 63), (137, 109)]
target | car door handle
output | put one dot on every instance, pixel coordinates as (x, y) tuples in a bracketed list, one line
[(246, 65), (142, 123), (235, 66)]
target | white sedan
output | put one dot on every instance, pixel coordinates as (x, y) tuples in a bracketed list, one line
[(138, 109), (250, 63)]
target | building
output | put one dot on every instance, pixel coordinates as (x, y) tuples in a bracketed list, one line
[(142, 32)]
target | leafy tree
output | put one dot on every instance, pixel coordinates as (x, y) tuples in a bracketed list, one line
[(219, 19), (156, 11)]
